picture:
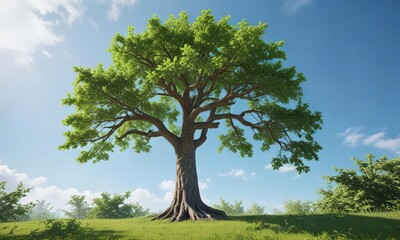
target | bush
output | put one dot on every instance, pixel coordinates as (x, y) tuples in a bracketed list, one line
[(10, 207), (374, 187), (115, 207), (299, 208), (230, 209), (255, 209)]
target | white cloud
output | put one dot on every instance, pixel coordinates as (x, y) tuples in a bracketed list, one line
[(146, 199), (292, 6), (352, 136), (374, 138), (47, 54), (168, 196), (234, 173), (379, 141), (203, 185), (284, 169), (93, 23), (13, 178), (167, 185), (253, 174), (68, 10), (287, 168), (25, 27), (114, 11), (24, 60)]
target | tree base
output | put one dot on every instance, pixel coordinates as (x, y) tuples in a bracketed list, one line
[(183, 211)]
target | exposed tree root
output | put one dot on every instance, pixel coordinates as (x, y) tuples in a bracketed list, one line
[(183, 211)]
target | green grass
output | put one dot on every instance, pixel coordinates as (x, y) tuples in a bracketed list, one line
[(326, 226)]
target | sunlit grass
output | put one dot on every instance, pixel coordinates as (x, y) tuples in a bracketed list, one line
[(326, 226)]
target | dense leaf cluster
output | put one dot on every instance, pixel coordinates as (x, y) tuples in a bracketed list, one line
[(374, 187)]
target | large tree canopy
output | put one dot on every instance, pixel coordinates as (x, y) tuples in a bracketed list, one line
[(176, 79)]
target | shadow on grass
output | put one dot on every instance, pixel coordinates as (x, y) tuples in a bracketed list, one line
[(337, 225), (63, 229), (84, 234)]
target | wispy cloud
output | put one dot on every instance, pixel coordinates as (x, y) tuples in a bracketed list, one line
[(379, 141), (47, 54), (93, 23), (291, 7), (353, 136), (24, 60), (115, 6), (283, 169), (25, 26), (233, 173)]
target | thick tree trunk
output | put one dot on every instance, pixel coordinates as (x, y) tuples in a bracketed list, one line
[(187, 203)]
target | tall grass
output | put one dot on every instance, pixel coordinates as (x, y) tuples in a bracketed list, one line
[(324, 226)]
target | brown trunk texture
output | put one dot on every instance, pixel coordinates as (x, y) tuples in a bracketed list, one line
[(187, 203)]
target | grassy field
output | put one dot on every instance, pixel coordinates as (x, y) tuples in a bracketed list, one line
[(327, 226)]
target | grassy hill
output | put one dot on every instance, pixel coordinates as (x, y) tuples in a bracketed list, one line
[(326, 226)]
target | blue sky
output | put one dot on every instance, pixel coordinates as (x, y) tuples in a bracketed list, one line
[(348, 51)]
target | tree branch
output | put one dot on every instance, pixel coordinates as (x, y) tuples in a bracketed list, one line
[(203, 136), (148, 134), (206, 125)]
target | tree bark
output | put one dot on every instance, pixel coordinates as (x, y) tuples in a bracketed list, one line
[(187, 203)]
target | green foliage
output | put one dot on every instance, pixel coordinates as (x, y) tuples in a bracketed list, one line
[(230, 209), (10, 207), (299, 208), (80, 208), (255, 209), (41, 211), (374, 187), (115, 207), (192, 69)]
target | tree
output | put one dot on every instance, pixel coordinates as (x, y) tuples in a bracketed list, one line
[(298, 207), (80, 208), (41, 211), (374, 187), (115, 207), (255, 209), (10, 206), (230, 209), (177, 81)]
